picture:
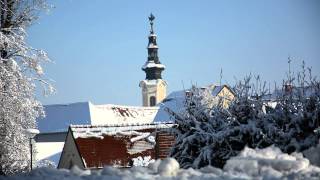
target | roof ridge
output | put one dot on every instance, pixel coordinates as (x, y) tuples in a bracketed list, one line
[(118, 125)]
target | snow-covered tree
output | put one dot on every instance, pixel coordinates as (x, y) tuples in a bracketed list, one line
[(20, 71), (209, 134)]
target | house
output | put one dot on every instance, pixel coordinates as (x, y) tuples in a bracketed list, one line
[(92, 147), (222, 92), (54, 127)]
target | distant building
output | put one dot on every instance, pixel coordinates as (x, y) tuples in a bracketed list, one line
[(223, 93)]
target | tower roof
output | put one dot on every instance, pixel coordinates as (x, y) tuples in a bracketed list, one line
[(152, 66)]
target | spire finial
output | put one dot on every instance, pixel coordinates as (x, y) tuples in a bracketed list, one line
[(151, 18)]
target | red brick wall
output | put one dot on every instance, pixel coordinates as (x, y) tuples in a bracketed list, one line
[(113, 150), (110, 150), (164, 143)]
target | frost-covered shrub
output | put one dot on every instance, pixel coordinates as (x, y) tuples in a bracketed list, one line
[(45, 163), (20, 71), (209, 134)]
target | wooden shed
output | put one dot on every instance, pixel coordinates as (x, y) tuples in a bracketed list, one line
[(92, 147)]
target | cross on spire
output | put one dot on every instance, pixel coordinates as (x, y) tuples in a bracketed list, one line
[(151, 18)]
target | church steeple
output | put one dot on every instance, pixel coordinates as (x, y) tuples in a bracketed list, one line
[(153, 66), (153, 87)]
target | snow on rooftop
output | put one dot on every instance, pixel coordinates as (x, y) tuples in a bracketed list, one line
[(118, 127), (116, 114), (152, 64), (175, 102), (59, 117), (152, 82), (216, 90), (88, 131), (152, 35), (151, 45)]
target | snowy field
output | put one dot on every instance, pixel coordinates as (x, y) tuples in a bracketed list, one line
[(268, 163)]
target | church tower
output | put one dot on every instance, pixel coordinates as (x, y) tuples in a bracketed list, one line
[(153, 87)]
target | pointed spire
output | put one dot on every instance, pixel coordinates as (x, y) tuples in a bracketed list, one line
[(153, 66)]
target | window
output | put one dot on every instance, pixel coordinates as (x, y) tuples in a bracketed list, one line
[(152, 101)]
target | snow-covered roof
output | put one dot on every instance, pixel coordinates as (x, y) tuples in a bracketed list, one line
[(175, 102), (118, 114), (152, 64), (217, 90), (86, 131), (151, 45), (152, 82), (59, 117)]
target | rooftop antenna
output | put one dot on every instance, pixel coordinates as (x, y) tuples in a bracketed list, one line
[(183, 85), (220, 76), (289, 63)]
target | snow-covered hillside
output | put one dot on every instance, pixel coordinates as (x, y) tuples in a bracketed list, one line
[(268, 163)]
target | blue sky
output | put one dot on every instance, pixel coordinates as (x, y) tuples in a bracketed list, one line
[(99, 46)]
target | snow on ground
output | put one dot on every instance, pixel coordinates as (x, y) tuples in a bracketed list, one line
[(313, 154), (268, 163), (142, 161)]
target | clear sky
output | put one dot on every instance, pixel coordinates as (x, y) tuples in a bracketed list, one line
[(99, 46)]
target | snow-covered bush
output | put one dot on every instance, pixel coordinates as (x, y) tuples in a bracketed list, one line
[(45, 163), (209, 134), (20, 69), (168, 167), (142, 161)]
